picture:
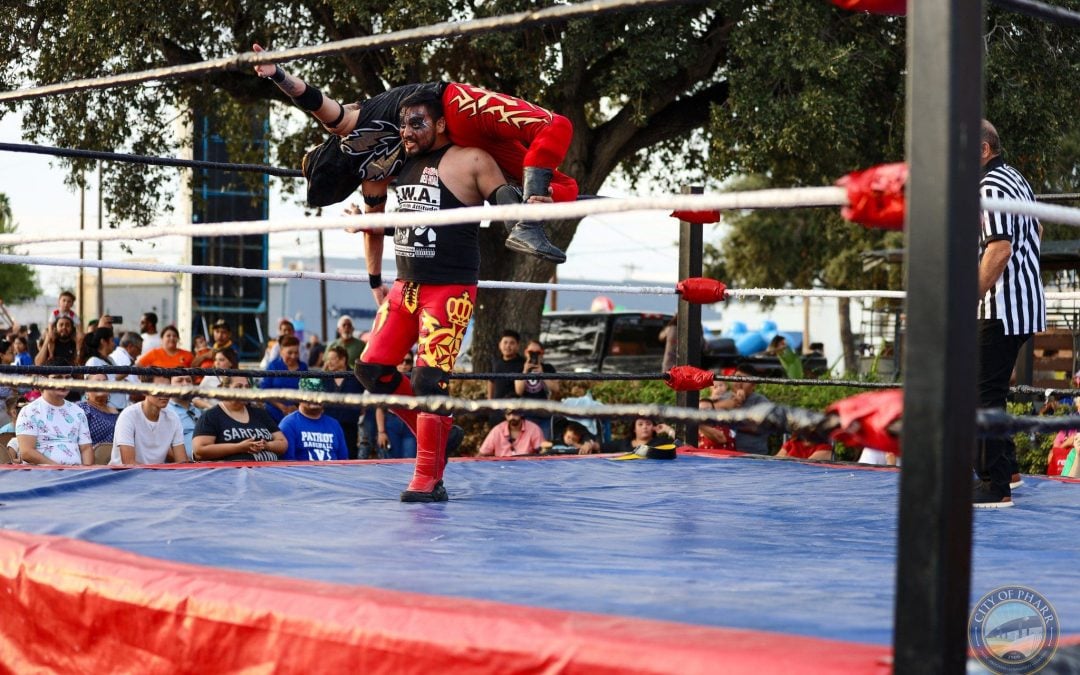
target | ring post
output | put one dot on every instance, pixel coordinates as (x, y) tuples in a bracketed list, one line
[(691, 253), (933, 571)]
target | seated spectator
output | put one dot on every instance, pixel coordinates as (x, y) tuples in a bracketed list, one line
[(14, 404), (224, 359), (237, 432), (575, 440), (777, 346), (101, 416), (59, 343), (514, 436), (222, 333), (720, 388), (712, 437), (313, 353), (273, 349), (129, 349), (97, 348), (52, 430), (186, 412), (353, 345), (313, 436), (581, 396), (21, 352), (537, 389), (797, 447), (289, 360), (743, 395), (1063, 445), (169, 354), (334, 360), (393, 437), (646, 432), (148, 432)]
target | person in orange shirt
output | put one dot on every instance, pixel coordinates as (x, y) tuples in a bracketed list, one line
[(169, 354)]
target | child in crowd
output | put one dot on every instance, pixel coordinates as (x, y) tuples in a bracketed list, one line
[(64, 305)]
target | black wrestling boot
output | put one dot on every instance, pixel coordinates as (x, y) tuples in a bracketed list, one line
[(529, 237), (437, 494)]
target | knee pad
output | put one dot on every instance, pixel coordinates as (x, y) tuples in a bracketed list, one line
[(428, 381), (377, 378)]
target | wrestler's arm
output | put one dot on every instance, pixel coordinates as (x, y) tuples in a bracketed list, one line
[(330, 113), (375, 202)]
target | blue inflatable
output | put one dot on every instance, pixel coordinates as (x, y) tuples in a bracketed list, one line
[(749, 342)]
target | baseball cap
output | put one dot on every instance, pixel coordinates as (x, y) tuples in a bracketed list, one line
[(311, 384), (222, 323)]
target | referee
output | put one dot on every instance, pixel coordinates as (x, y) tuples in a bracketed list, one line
[(1011, 309)]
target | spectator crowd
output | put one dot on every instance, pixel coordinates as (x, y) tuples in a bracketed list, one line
[(58, 426)]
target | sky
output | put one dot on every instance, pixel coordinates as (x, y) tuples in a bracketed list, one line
[(639, 248)]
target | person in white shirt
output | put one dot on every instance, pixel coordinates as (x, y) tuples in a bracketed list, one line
[(51, 430), (149, 332), (124, 355), (187, 413), (148, 432)]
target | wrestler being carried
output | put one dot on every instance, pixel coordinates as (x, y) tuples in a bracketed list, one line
[(526, 141)]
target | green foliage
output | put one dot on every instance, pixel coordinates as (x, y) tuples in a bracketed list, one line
[(1032, 450), (17, 282), (627, 80)]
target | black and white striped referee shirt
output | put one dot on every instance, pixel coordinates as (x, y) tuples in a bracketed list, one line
[(1017, 298)]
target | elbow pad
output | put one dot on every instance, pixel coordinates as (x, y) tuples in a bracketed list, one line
[(310, 100)]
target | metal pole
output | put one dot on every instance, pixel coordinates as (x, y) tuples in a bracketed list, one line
[(82, 248), (100, 226), (322, 291), (691, 254), (933, 571)]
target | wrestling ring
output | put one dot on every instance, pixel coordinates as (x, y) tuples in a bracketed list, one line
[(716, 562)]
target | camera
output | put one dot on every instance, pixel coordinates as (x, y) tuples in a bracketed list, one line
[(117, 320), (534, 358)]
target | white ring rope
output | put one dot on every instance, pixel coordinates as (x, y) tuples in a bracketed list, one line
[(444, 29), (810, 293), (724, 201), (753, 199), (1064, 215), (734, 293), (7, 259)]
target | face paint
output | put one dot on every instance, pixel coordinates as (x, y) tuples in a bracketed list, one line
[(415, 121)]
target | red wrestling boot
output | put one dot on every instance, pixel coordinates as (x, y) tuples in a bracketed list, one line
[(431, 436)]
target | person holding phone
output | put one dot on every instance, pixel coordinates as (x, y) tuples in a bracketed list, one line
[(537, 388)]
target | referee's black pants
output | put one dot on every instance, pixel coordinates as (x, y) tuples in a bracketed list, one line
[(995, 458)]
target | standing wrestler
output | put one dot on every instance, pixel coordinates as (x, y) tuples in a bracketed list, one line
[(432, 300), (1011, 309), (526, 141)]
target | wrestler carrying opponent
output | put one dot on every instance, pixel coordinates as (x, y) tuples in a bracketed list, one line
[(432, 300), (526, 141)]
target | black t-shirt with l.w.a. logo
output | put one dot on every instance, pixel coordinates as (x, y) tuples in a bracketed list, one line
[(433, 255)]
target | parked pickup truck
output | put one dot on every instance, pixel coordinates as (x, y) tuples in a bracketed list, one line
[(629, 342)]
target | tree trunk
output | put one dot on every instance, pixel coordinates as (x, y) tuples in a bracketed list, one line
[(496, 309), (847, 339)]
